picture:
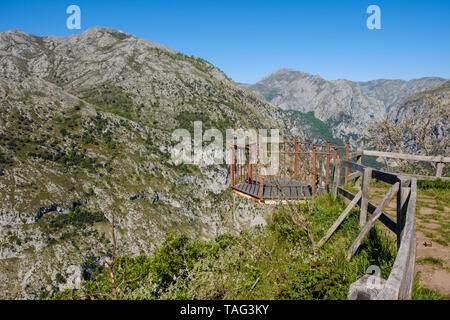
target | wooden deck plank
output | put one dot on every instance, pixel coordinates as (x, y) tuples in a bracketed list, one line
[(291, 189)]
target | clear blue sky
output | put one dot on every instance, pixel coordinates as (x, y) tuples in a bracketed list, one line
[(250, 39)]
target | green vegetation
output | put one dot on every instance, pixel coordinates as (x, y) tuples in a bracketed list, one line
[(67, 159), (315, 127), (439, 192), (278, 262), (424, 293), (80, 217), (436, 184), (271, 94), (4, 161), (186, 120), (112, 99), (430, 260)]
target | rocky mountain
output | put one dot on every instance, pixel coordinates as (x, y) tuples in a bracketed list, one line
[(393, 92), (427, 116), (344, 106), (85, 139), (417, 103)]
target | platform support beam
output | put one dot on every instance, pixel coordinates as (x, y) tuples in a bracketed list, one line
[(296, 158), (347, 150), (261, 176), (327, 180), (232, 165), (313, 180)]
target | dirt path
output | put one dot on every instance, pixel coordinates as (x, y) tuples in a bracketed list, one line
[(432, 233)]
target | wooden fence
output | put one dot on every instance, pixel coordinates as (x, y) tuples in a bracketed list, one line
[(400, 282), (440, 161)]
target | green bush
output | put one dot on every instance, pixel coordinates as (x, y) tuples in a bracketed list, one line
[(79, 217), (170, 263)]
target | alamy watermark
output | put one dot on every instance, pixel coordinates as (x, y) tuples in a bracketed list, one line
[(375, 280), (210, 148), (374, 20), (74, 20)]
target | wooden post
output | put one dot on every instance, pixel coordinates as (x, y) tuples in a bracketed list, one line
[(327, 179), (231, 166), (250, 166), (402, 197), (313, 182), (439, 169), (358, 161), (296, 159), (347, 150), (377, 213), (261, 179), (335, 155), (337, 176), (367, 176), (238, 166)]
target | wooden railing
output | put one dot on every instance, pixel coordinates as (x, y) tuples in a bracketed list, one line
[(400, 281), (298, 163), (440, 161)]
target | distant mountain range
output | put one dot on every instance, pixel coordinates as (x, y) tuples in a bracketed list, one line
[(345, 107)]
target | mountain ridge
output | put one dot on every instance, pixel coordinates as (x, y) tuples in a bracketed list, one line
[(345, 106)]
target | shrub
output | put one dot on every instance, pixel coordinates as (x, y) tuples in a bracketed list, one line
[(79, 217)]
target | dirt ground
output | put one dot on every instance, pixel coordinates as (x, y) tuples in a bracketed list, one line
[(432, 229)]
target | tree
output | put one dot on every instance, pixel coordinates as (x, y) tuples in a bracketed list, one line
[(423, 131)]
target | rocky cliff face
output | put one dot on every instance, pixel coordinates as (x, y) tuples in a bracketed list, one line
[(346, 107), (393, 92), (427, 116), (417, 103), (85, 135)]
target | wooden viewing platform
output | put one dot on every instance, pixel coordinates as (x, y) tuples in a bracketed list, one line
[(301, 170), (290, 170)]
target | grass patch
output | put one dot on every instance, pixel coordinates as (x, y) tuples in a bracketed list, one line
[(430, 260), (423, 293), (441, 242), (438, 190)]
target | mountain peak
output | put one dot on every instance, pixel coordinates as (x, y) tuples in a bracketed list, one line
[(101, 30), (13, 31), (13, 34), (288, 71), (284, 70)]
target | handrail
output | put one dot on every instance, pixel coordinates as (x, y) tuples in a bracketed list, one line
[(440, 160), (400, 281), (405, 156), (304, 162)]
